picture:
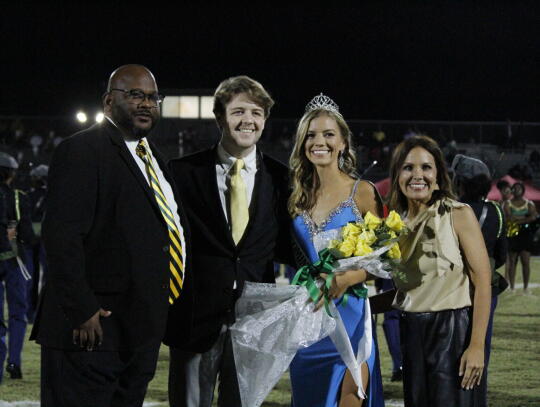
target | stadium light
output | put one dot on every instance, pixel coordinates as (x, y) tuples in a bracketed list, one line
[(81, 117), (99, 117)]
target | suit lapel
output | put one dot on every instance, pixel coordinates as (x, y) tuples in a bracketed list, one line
[(118, 141), (205, 181)]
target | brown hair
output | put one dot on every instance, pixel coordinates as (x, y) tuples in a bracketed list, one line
[(304, 178), (236, 85), (397, 199)]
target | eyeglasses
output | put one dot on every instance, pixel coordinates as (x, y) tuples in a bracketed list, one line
[(137, 96)]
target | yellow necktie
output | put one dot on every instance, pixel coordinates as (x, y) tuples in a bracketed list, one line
[(239, 206), (176, 267)]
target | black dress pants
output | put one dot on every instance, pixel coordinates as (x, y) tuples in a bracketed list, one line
[(432, 346), (95, 379)]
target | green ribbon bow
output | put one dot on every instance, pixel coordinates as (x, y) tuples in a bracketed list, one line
[(306, 276)]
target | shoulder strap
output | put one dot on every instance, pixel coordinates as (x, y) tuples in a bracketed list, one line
[(483, 215), (17, 205), (353, 191)]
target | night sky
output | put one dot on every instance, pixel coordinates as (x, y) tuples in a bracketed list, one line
[(401, 60)]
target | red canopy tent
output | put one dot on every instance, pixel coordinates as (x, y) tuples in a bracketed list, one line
[(383, 186), (531, 192)]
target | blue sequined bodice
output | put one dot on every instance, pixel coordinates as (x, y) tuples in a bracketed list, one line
[(305, 228)]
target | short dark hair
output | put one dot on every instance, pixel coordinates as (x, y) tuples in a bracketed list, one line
[(520, 185), (6, 173), (236, 85), (474, 189), (502, 184), (397, 199)]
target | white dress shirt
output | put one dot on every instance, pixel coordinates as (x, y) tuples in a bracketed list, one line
[(224, 164), (165, 186)]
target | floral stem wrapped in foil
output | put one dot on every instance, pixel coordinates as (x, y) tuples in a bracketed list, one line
[(273, 322)]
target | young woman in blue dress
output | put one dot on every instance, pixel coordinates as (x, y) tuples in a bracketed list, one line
[(327, 194)]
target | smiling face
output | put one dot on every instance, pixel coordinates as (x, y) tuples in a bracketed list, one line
[(323, 141), (135, 119), (242, 125), (517, 191), (418, 176), (506, 193)]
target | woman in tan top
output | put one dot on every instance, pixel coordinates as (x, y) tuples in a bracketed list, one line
[(442, 330)]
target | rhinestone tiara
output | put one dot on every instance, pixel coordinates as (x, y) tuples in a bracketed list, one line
[(322, 102)]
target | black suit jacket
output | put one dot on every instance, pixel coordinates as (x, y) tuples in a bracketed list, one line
[(107, 246), (216, 261)]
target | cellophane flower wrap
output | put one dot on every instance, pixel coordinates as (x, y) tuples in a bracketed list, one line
[(273, 322), (371, 245)]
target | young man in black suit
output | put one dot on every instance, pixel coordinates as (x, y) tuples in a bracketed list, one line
[(235, 199), (115, 237)]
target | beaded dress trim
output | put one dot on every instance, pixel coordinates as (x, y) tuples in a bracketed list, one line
[(313, 228)]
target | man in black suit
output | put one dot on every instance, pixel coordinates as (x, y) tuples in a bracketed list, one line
[(113, 231), (235, 199)]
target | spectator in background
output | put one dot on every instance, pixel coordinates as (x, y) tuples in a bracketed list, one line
[(14, 229), (450, 150), (473, 183), (521, 172), (37, 198), (534, 160), (519, 212), (505, 190), (13, 281)]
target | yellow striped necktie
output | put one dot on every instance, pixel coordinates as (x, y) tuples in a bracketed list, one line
[(239, 206), (176, 267)]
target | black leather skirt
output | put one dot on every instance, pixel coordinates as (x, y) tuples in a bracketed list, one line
[(432, 344)]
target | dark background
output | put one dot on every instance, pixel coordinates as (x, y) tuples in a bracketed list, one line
[(431, 60)]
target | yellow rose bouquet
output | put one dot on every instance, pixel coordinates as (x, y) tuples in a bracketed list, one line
[(371, 245), (373, 235)]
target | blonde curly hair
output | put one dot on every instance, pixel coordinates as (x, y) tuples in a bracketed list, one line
[(304, 178)]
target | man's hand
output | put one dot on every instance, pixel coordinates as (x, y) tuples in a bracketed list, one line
[(90, 334)]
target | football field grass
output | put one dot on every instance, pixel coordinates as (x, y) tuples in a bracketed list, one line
[(514, 371)]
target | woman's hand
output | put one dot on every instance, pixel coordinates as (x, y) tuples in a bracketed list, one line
[(471, 366), (341, 281), (472, 244)]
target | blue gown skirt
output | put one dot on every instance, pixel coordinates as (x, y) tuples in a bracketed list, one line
[(317, 372)]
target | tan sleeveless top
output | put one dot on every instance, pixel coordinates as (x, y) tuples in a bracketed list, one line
[(436, 278)]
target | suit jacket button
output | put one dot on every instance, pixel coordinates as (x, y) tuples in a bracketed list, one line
[(166, 248)]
